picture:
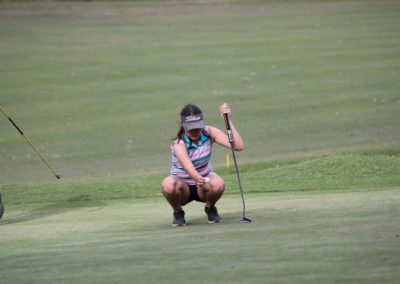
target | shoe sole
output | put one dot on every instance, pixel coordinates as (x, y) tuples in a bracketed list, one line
[(178, 225)]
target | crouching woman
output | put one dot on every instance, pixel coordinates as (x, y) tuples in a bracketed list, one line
[(191, 175)]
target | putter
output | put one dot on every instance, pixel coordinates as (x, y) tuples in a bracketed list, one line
[(57, 175), (244, 219)]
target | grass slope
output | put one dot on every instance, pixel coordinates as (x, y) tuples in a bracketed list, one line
[(339, 172)]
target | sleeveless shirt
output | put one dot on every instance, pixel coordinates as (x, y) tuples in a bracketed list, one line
[(200, 155)]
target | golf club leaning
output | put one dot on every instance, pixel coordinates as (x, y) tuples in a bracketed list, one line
[(244, 219), (57, 175)]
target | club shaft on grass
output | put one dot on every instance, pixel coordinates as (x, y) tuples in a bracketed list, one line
[(57, 175), (231, 141)]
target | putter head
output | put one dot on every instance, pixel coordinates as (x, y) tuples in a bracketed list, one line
[(245, 220)]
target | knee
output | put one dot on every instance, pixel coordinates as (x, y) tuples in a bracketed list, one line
[(218, 185), (168, 186)]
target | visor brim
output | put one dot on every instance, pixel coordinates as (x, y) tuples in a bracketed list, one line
[(193, 125)]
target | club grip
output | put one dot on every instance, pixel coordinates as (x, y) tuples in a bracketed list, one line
[(228, 128), (227, 124), (16, 126)]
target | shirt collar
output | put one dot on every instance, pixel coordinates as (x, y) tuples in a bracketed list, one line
[(190, 144)]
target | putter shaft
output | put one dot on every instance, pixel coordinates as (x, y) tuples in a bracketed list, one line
[(238, 178), (231, 141)]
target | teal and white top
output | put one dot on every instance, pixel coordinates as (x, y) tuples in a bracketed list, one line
[(199, 154)]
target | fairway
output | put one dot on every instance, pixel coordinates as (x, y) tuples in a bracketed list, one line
[(294, 238), (97, 86)]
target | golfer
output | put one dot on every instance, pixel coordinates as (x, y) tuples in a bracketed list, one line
[(191, 176)]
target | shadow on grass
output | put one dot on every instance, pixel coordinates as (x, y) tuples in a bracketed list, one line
[(51, 209), (227, 218)]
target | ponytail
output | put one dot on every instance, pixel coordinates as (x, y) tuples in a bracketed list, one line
[(180, 133)]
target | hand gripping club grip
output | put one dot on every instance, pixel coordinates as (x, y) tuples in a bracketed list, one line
[(228, 128)]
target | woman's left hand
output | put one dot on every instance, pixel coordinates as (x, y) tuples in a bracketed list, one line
[(225, 109)]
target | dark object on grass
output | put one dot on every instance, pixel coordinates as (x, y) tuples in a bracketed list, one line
[(1, 207)]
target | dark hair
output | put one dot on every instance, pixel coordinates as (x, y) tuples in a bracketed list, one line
[(187, 110)]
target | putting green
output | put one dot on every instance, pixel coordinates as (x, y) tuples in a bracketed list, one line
[(294, 238)]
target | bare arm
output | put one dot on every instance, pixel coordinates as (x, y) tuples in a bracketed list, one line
[(180, 151), (221, 138)]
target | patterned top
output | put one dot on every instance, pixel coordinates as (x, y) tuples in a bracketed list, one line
[(199, 154)]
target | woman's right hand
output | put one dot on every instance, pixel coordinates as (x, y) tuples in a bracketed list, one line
[(202, 180)]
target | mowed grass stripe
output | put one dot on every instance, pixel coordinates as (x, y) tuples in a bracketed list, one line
[(98, 86)]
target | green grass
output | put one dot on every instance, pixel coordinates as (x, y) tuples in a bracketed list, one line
[(340, 172), (297, 238), (324, 219), (98, 86)]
